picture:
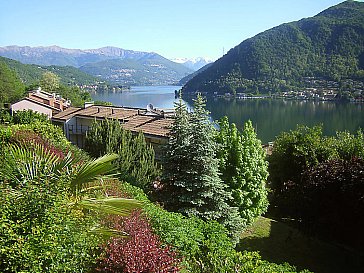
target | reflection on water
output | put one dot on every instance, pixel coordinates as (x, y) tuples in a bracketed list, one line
[(270, 117)]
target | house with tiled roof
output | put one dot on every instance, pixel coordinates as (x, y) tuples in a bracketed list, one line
[(153, 123), (51, 99), (41, 102), (34, 105)]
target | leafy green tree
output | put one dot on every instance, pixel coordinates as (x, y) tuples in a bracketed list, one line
[(243, 168), (49, 82), (11, 88), (191, 182), (294, 152), (136, 162)]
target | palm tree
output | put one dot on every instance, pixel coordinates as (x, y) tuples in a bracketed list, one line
[(84, 179)]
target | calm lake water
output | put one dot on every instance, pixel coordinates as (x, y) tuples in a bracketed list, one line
[(270, 117)]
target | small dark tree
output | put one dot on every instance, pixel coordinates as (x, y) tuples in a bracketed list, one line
[(243, 168), (191, 180), (136, 160)]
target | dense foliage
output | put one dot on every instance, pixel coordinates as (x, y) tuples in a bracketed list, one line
[(39, 232), (294, 152), (136, 162), (50, 82), (190, 183), (51, 203), (318, 180), (331, 200), (204, 245), (327, 46), (11, 87), (243, 168), (50, 217), (141, 251)]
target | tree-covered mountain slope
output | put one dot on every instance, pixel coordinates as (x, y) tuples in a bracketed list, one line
[(31, 73), (326, 47)]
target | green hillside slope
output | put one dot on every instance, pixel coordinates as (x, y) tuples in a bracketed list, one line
[(30, 73), (326, 47)]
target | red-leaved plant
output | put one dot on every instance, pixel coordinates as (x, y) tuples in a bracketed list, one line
[(140, 252), (29, 138)]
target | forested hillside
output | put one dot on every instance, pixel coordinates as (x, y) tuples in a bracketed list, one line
[(326, 47), (31, 73)]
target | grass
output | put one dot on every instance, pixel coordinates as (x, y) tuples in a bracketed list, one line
[(278, 242)]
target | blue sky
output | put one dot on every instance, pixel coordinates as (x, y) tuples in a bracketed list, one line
[(174, 29)]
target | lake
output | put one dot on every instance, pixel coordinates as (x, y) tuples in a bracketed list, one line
[(270, 117)]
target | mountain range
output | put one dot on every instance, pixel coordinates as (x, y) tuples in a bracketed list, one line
[(126, 67), (328, 47), (194, 63)]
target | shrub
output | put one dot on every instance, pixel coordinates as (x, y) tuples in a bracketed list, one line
[(39, 233), (141, 251), (5, 116), (294, 152), (205, 246), (331, 200), (52, 135), (28, 117), (30, 138)]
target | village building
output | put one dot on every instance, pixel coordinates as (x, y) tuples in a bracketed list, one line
[(41, 102), (50, 99), (154, 124), (36, 106)]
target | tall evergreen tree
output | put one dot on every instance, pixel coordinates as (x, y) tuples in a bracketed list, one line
[(243, 168), (191, 180)]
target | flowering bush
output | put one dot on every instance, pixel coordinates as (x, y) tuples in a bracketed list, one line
[(141, 251)]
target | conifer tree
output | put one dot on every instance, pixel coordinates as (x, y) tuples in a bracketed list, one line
[(191, 180), (136, 160), (243, 168)]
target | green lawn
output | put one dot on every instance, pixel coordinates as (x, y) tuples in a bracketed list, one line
[(277, 242)]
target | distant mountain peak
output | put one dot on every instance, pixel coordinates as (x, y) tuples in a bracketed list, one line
[(193, 63)]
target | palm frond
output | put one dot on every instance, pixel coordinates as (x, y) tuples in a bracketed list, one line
[(118, 206), (92, 169), (107, 232)]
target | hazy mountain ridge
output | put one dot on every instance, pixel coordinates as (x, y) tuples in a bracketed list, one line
[(151, 69), (55, 55), (127, 67), (329, 45)]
